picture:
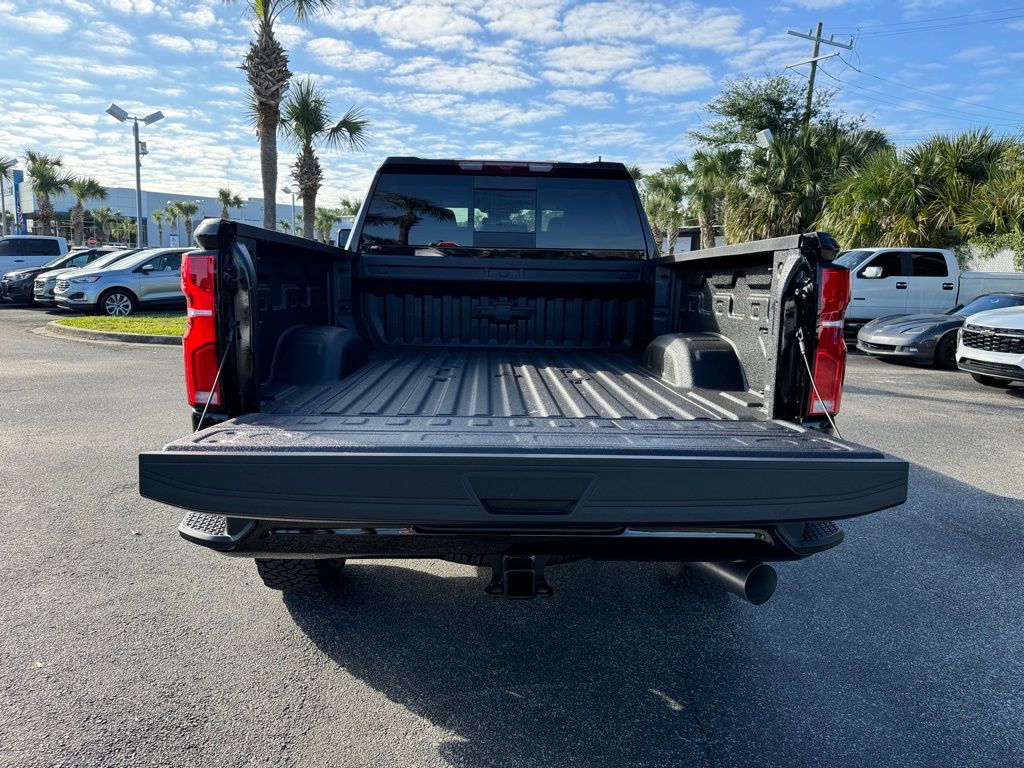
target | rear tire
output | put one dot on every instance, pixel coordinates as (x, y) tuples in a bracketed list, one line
[(117, 303), (991, 381), (945, 352), (300, 575)]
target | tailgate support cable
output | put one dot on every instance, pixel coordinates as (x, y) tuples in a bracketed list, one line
[(807, 365), (216, 380)]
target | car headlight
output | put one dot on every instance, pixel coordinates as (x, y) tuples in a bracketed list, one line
[(85, 279), (916, 329)]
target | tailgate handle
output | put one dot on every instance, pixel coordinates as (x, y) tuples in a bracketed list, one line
[(529, 493)]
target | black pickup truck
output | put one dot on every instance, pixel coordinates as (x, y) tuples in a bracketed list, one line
[(502, 372)]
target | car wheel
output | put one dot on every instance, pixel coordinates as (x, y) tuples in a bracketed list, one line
[(991, 381), (945, 352), (300, 575), (117, 303)]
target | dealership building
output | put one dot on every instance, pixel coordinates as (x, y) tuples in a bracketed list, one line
[(20, 206)]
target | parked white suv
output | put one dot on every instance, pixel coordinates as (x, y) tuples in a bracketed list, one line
[(991, 346), (24, 251)]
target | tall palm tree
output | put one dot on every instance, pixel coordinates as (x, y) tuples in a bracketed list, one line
[(7, 164), (664, 193), (306, 122), (160, 217), (266, 69), (48, 179), (283, 225), (84, 188), (787, 185), (228, 199), (103, 218), (186, 209)]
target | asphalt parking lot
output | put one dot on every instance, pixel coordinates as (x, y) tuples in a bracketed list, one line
[(123, 645)]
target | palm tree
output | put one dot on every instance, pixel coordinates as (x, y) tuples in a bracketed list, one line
[(326, 218), (712, 179), (7, 164), (185, 209), (663, 197), (934, 193), (786, 186), (350, 205), (48, 179), (125, 230), (103, 218), (306, 122), (228, 199), (283, 225), (160, 217), (266, 69), (83, 188)]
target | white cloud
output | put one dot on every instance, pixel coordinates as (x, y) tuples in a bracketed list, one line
[(471, 77), (341, 54), (409, 25), (133, 6), (290, 35), (498, 113), (525, 19), (202, 17), (39, 22), (676, 24), (673, 78), (171, 42), (587, 99), (589, 64), (110, 35)]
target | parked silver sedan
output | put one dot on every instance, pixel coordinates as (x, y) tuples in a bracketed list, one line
[(46, 283), (150, 279)]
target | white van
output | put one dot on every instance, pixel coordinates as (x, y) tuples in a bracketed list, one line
[(21, 251)]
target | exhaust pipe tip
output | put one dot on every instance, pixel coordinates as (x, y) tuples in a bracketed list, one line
[(754, 582)]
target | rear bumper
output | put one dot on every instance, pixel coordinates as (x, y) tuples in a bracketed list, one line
[(248, 538), (554, 490)]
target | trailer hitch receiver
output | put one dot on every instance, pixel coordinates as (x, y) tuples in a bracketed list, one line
[(518, 576)]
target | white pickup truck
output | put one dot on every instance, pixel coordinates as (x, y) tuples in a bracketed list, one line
[(914, 281)]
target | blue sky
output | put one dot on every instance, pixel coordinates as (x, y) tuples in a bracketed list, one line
[(516, 79)]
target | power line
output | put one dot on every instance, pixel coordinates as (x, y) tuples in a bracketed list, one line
[(928, 93), (933, 19), (912, 30), (920, 107)]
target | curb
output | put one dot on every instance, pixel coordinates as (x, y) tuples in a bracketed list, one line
[(87, 334)]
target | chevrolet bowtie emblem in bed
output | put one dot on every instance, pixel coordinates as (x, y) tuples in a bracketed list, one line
[(503, 312)]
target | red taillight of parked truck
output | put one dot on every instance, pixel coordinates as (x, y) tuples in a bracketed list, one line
[(830, 351), (198, 276)]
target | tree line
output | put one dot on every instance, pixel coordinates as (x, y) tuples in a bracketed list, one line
[(762, 167)]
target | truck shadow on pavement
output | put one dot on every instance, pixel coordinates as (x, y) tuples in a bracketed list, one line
[(901, 647)]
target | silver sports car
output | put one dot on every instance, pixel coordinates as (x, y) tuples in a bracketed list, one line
[(927, 338)]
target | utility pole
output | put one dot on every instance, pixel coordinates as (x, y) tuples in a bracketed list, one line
[(815, 58)]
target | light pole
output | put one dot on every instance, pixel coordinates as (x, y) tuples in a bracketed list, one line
[(3, 206), (288, 191), (120, 115)]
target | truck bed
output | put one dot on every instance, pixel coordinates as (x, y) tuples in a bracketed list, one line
[(445, 436)]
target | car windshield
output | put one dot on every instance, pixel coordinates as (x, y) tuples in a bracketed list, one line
[(983, 303), (60, 261), (852, 259), (110, 258)]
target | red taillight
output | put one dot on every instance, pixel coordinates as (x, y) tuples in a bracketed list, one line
[(830, 351), (198, 271)]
